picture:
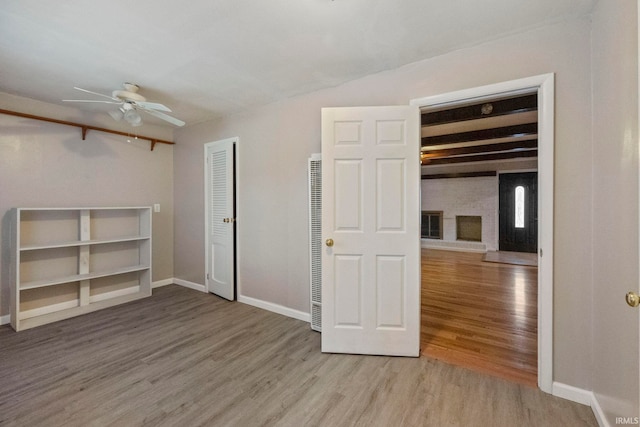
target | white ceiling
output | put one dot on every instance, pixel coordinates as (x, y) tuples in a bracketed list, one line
[(208, 58)]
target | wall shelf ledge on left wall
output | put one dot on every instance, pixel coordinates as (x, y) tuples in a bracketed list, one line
[(85, 128)]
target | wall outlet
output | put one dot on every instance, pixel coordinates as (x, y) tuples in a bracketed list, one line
[(156, 207)]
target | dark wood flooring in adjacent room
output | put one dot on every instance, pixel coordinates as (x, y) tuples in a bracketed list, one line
[(480, 315), (186, 358)]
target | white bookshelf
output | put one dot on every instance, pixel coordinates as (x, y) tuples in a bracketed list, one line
[(72, 261)]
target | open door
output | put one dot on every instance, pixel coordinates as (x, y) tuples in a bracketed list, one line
[(220, 217), (371, 230)]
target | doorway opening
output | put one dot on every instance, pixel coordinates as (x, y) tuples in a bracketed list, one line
[(476, 135)]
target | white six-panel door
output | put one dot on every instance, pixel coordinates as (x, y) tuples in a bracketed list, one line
[(371, 230), (220, 219)]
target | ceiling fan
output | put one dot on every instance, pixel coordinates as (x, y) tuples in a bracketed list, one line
[(130, 101)]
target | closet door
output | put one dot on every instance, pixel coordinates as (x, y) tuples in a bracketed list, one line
[(220, 217)]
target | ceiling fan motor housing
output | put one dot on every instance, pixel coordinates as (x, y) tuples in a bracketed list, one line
[(125, 95), (130, 87)]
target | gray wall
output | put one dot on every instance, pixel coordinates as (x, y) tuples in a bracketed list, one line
[(276, 140), (44, 165)]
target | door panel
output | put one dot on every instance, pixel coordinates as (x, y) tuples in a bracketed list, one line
[(390, 291), (371, 211), (518, 212), (220, 218), (348, 195), (390, 195), (348, 290)]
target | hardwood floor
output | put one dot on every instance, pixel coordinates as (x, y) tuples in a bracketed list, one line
[(186, 358), (480, 315)]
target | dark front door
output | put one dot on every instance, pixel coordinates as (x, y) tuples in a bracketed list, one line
[(519, 212)]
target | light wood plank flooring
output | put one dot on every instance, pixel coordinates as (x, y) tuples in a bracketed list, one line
[(185, 358), (480, 315)]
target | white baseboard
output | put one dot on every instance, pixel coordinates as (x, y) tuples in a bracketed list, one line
[(276, 308), (265, 305), (161, 283), (598, 412), (190, 285), (582, 396), (572, 393), (6, 319)]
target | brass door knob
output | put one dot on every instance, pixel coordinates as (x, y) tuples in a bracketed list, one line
[(329, 242), (633, 299)]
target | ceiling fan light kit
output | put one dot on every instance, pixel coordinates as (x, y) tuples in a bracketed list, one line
[(130, 101), (117, 115), (130, 114)]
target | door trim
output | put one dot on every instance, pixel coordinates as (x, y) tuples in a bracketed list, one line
[(235, 141), (544, 84)]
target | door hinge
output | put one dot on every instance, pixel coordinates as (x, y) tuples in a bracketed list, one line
[(207, 276)]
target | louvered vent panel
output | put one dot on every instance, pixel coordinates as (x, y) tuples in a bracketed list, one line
[(316, 317), (315, 237), (218, 187)]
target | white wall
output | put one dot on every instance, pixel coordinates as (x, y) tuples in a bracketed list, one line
[(616, 373), (44, 164), (464, 196), (276, 141)]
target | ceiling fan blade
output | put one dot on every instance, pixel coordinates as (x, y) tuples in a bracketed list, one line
[(153, 106), (91, 100), (96, 93), (165, 117)]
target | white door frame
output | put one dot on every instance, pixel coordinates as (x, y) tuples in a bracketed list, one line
[(207, 221), (544, 85)]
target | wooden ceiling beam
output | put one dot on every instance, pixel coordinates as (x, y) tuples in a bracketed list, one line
[(484, 123), (460, 175), (470, 112), (479, 142), (478, 149), (501, 132), (481, 158), (489, 130)]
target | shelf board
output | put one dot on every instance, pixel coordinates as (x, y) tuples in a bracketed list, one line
[(79, 277), (54, 316), (87, 208), (77, 243)]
